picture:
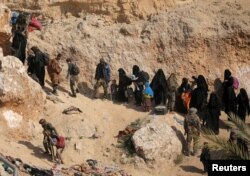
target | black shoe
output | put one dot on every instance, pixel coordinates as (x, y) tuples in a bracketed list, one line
[(77, 90)]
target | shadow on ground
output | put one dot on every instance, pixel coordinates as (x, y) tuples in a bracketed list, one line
[(192, 169), (37, 151)]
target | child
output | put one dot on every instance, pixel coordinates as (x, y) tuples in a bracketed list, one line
[(205, 156), (148, 94), (113, 90)]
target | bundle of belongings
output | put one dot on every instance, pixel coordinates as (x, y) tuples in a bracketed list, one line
[(93, 167), (90, 167), (160, 110), (24, 21)]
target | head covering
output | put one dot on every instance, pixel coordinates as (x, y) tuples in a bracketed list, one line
[(102, 60), (35, 49), (192, 111), (42, 121), (136, 70), (133, 78), (148, 90), (227, 74)]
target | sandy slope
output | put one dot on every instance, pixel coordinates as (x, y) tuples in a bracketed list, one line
[(101, 115)]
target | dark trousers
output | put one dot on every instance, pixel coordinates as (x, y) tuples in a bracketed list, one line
[(139, 95), (41, 75)]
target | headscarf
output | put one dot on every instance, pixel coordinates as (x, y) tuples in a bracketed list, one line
[(136, 70), (227, 74), (148, 90)]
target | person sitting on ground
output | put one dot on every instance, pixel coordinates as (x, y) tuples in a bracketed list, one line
[(148, 94), (102, 77), (243, 105), (192, 129), (73, 72), (48, 131), (171, 92), (205, 156), (54, 71)]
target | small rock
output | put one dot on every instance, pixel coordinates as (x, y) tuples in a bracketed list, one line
[(78, 147), (108, 150), (106, 154)]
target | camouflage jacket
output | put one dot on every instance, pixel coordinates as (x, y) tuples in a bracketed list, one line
[(192, 123)]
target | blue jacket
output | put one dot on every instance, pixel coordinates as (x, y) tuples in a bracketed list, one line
[(102, 72), (148, 90)]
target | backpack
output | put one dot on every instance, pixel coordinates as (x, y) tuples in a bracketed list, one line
[(235, 83), (60, 142), (75, 69)]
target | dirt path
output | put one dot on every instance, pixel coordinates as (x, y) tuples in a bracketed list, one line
[(101, 117)]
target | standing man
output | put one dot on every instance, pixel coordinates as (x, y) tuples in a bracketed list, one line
[(192, 129), (172, 86), (73, 72), (48, 131), (102, 76), (54, 71)]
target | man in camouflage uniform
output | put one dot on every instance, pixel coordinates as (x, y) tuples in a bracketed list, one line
[(171, 92), (48, 131), (192, 129)]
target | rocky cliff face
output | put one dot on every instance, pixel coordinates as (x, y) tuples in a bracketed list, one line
[(18, 92), (120, 10), (199, 38)]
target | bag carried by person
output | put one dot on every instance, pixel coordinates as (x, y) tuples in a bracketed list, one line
[(60, 142)]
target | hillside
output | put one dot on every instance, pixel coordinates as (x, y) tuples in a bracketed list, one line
[(183, 37)]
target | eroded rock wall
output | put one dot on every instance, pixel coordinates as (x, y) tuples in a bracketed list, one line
[(200, 38), (121, 10)]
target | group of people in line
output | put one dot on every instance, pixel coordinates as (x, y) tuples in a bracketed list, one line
[(194, 98)]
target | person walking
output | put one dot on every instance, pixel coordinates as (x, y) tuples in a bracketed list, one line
[(73, 72), (54, 71), (102, 77)]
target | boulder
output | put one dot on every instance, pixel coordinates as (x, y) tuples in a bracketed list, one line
[(157, 141), (5, 29), (18, 92)]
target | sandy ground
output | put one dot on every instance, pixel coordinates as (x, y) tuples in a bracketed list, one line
[(99, 116)]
